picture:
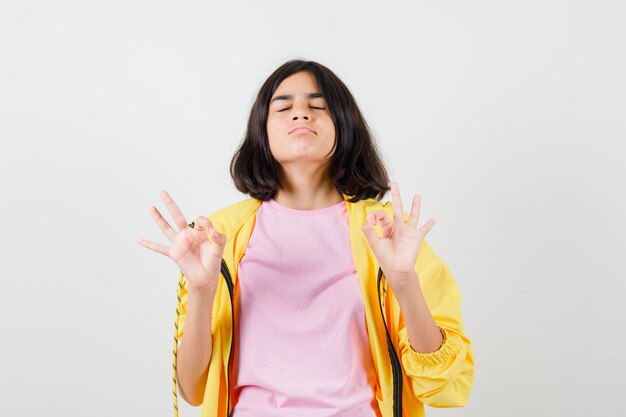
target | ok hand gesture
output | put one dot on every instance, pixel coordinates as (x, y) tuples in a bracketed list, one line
[(397, 249), (197, 248)]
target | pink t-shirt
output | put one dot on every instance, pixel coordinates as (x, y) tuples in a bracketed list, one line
[(301, 344)]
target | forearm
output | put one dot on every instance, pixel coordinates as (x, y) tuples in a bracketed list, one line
[(424, 334), (195, 350)]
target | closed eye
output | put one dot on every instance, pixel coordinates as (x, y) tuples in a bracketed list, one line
[(317, 108)]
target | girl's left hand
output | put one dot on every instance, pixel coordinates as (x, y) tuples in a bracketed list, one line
[(397, 249)]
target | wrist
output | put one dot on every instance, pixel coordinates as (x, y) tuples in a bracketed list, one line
[(202, 291), (405, 291), (402, 280)]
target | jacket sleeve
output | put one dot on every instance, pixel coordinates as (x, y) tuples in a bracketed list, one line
[(442, 378)]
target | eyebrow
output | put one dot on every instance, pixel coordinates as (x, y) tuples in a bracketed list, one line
[(290, 97)]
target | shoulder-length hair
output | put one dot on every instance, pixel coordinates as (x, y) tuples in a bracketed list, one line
[(355, 168)]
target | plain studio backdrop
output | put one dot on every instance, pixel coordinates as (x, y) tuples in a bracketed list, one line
[(508, 118)]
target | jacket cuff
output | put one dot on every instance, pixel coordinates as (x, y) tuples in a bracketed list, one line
[(438, 357)]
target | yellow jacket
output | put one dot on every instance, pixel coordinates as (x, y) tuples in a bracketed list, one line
[(438, 379)]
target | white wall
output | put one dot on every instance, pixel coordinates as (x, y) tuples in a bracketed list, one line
[(514, 112)]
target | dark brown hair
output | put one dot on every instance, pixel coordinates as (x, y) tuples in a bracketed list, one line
[(355, 168)]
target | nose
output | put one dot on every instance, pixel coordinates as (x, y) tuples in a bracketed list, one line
[(300, 110)]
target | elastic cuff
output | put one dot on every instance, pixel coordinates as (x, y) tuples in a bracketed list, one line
[(441, 355)]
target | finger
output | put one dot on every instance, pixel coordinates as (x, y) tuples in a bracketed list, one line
[(368, 230), (415, 211), (426, 228), (396, 201), (380, 217), (157, 247), (177, 215), (162, 223), (213, 234)]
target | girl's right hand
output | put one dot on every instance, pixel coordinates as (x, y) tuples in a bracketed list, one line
[(197, 251)]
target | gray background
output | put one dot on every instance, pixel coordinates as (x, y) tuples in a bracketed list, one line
[(507, 117)]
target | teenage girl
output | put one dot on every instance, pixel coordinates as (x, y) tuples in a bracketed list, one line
[(276, 292)]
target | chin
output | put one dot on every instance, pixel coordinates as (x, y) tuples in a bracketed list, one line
[(303, 158)]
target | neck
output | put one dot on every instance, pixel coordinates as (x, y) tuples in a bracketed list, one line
[(304, 189)]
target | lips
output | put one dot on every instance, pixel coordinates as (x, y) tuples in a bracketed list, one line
[(301, 129)]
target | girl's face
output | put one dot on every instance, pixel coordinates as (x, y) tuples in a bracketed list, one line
[(299, 126)]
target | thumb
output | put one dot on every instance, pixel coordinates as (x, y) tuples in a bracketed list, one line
[(213, 234)]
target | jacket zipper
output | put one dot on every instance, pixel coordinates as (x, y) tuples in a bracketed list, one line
[(393, 357)]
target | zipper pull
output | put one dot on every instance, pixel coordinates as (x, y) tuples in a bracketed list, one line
[(384, 292)]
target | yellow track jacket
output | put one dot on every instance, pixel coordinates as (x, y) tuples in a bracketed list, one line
[(406, 379)]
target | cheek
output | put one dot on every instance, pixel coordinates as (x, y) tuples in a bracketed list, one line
[(270, 129), (273, 135), (329, 127), (273, 127)]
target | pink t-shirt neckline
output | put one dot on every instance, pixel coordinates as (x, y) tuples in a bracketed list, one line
[(325, 210)]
